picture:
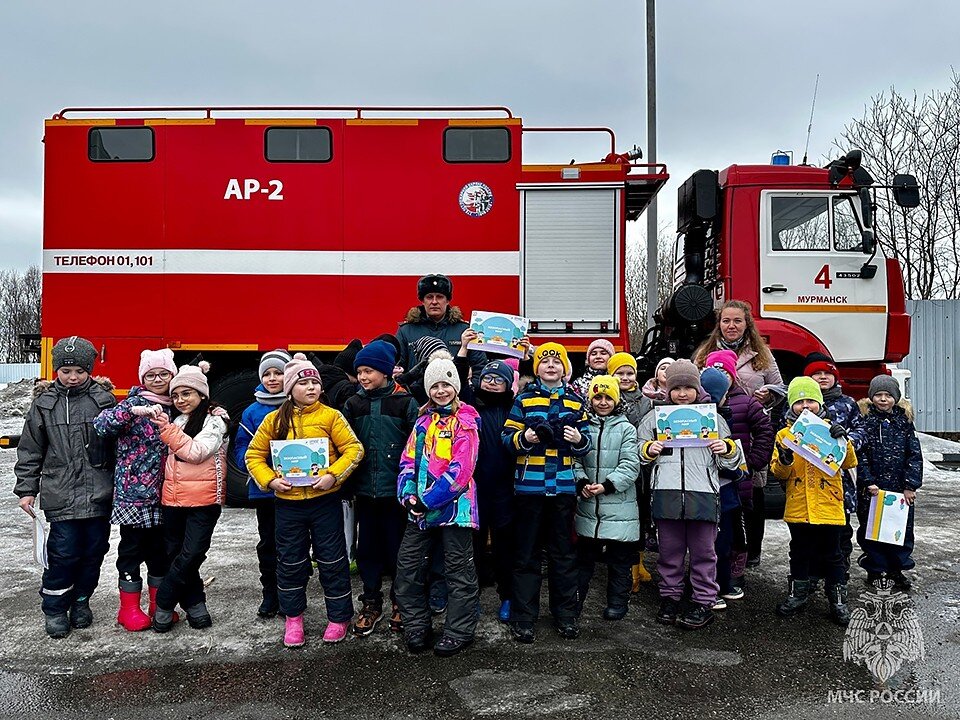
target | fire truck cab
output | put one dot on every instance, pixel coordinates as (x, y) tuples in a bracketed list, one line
[(797, 243)]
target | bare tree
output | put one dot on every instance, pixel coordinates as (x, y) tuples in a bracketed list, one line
[(636, 280), (919, 135), (19, 311)]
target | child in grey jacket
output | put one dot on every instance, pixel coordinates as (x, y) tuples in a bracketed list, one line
[(62, 459)]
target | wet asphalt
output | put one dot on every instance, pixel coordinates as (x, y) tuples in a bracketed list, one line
[(747, 664)]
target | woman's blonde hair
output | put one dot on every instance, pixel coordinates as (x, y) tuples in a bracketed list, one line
[(764, 358)]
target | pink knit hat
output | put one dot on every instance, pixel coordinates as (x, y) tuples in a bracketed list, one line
[(156, 360), (297, 369), (725, 360), (192, 376), (601, 343)]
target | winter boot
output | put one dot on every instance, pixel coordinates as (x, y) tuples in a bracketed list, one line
[(335, 632), (837, 597), (900, 581), (640, 574), (814, 586), (270, 605), (131, 617), (796, 600), (153, 584), (293, 636), (669, 609), (396, 620), (370, 615), (80, 614), (198, 616), (57, 626), (696, 617)]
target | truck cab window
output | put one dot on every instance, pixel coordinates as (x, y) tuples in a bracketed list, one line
[(120, 144), (847, 235), (800, 223), (476, 145)]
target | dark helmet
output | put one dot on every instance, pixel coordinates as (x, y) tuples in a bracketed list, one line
[(435, 284)]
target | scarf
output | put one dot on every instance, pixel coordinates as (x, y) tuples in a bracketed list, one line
[(832, 394), (269, 399), (156, 399), (736, 345)]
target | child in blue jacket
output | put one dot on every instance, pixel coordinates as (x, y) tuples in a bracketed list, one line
[(267, 397), (890, 459)]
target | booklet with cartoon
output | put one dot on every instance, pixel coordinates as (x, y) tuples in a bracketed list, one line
[(687, 425), (887, 519), (498, 333), (39, 541), (300, 462), (810, 438)]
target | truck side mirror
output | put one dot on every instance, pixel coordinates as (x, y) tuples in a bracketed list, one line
[(906, 191)]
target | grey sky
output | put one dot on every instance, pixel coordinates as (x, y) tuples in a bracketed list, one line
[(735, 78)]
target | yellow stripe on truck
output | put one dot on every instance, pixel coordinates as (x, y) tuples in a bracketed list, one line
[(825, 308)]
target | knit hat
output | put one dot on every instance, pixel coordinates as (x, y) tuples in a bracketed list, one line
[(665, 361), (604, 385), (441, 370), (435, 284), (426, 346), (884, 383), (344, 359), (156, 360), (192, 376), (620, 359), (725, 360), (74, 352), (500, 369), (601, 343), (392, 339), (297, 369), (817, 362), (803, 388), (275, 359), (551, 349), (682, 373), (379, 355), (715, 382)]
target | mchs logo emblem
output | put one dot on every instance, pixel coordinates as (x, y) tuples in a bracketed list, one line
[(884, 633), (476, 199)]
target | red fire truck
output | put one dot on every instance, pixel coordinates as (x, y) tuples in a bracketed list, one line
[(229, 231)]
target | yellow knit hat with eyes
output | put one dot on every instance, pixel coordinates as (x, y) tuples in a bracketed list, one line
[(605, 385)]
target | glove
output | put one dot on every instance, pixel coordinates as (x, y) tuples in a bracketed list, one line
[(415, 504), (544, 432), (146, 410), (838, 431), (785, 455)]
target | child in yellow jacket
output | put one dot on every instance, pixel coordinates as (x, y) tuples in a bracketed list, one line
[(814, 511), (309, 513)]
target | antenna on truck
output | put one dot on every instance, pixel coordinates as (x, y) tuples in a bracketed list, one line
[(810, 124)]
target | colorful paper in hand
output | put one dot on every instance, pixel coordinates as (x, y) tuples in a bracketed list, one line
[(498, 333), (300, 462), (687, 425), (887, 519), (810, 438)]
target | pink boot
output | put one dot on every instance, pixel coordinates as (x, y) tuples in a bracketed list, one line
[(131, 617), (293, 632), (152, 608), (335, 632)]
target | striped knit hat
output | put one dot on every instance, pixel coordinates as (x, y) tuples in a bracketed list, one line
[(276, 359)]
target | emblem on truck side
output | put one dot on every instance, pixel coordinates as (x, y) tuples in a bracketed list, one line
[(476, 199)]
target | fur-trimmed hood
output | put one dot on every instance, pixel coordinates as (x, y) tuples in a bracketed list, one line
[(865, 405), (417, 314), (41, 386)]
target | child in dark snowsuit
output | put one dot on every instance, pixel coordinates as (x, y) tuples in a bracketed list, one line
[(890, 459), (491, 395)]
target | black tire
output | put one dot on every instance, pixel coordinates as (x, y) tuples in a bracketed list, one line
[(234, 392)]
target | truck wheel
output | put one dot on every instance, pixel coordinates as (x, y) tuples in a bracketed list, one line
[(235, 392)]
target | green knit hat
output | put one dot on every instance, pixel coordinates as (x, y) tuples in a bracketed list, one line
[(803, 388)]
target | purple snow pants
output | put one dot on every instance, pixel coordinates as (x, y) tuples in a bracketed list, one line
[(677, 538)]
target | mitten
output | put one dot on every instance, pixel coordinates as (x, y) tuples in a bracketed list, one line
[(415, 504), (221, 412), (544, 432), (785, 455), (142, 410), (838, 431)]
